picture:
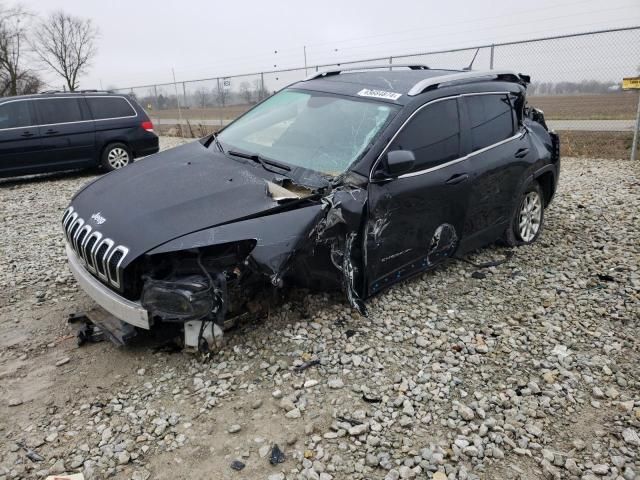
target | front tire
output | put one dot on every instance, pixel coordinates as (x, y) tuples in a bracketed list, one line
[(527, 219), (116, 156)]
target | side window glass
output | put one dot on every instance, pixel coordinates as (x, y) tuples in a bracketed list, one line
[(59, 110), (109, 107), (490, 118), (433, 135), (15, 115)]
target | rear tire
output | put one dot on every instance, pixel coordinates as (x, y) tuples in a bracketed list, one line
[(116, 156), (528, 218)]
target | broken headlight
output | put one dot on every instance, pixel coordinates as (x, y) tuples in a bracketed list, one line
[(189, 298)]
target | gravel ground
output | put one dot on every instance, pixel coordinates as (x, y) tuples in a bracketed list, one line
[(526, 370)]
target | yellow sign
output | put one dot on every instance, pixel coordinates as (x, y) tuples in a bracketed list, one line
[(629, 83)]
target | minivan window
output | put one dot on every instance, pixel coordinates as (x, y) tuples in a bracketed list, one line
[(15, 115), (109, 107), (59, 110), (491, 119), (433, 135)]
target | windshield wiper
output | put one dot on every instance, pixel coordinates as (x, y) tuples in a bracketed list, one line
[(261, 160), (213, 138)]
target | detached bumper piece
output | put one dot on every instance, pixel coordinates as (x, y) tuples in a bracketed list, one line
[(98, 324)]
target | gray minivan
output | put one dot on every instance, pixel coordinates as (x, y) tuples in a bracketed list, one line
[(57, 131)]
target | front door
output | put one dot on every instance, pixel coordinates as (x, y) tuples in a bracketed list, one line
[(19, 138), (415, 220)]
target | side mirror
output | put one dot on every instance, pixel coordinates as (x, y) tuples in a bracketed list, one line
[(398, 162)]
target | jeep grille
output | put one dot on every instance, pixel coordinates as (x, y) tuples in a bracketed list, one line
[(99, 255)]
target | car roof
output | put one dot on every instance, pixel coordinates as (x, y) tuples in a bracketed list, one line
[(403, 83), (62, 94)]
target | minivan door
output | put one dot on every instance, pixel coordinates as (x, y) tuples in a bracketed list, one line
[(68, 132), (20, 143)]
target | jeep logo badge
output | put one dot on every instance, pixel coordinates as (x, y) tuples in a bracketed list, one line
[(98, 218)]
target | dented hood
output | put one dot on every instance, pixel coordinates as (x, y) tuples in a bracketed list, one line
[(171, 194)]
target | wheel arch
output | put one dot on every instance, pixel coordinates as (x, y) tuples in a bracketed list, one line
[(546, 177)]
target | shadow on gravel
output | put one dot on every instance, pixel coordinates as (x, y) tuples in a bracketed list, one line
[(48, 177)]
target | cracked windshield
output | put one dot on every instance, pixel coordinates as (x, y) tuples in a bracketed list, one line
[(313, 130)]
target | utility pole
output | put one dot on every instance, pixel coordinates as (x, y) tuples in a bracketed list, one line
[(304, 49), (636, 131)]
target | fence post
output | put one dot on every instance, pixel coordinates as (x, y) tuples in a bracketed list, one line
[(262, 95), (155, 93), (634, 146), (491, 57), (175, 87), (219, 94), (390, 62)]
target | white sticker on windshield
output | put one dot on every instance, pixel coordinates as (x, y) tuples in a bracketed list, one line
[(365, 92)]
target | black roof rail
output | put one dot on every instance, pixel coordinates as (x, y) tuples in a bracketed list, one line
[(467, 77), (76, 91), (327, 73)]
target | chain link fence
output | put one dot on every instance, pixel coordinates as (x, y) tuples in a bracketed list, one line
[(576, 81)]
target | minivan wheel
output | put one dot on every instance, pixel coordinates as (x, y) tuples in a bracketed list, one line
[(527, 219), (116, 156)]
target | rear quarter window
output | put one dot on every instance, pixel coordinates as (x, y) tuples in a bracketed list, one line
[(110, 107)]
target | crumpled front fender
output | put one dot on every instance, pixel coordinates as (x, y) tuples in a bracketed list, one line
[(277, 237)]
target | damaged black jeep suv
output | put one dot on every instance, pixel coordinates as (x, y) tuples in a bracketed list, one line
[(348, 179)]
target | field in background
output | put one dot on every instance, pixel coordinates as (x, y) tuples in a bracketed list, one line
[(609, 106)]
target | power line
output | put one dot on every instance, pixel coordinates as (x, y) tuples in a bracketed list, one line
[(282, 58)]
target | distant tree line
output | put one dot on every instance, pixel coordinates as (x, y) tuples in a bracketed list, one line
[(31, 46), (571, 88), (246, 93)]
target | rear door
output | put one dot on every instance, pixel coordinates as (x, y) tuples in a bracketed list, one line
[(115, 120), (499, 158), (20, 143), (68, 132)]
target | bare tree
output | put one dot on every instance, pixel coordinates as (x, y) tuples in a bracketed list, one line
[(245, 92), (201, 96), (260, 90), (15, 79), (66, 44)]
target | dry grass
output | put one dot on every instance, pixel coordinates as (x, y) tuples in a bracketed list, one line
[(610, 106), (614, 145)]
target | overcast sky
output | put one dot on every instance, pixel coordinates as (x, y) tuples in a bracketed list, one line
[(140, 41)]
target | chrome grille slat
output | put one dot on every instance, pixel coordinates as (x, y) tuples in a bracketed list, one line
[(101, 259), (94, 250), (90, 251)]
